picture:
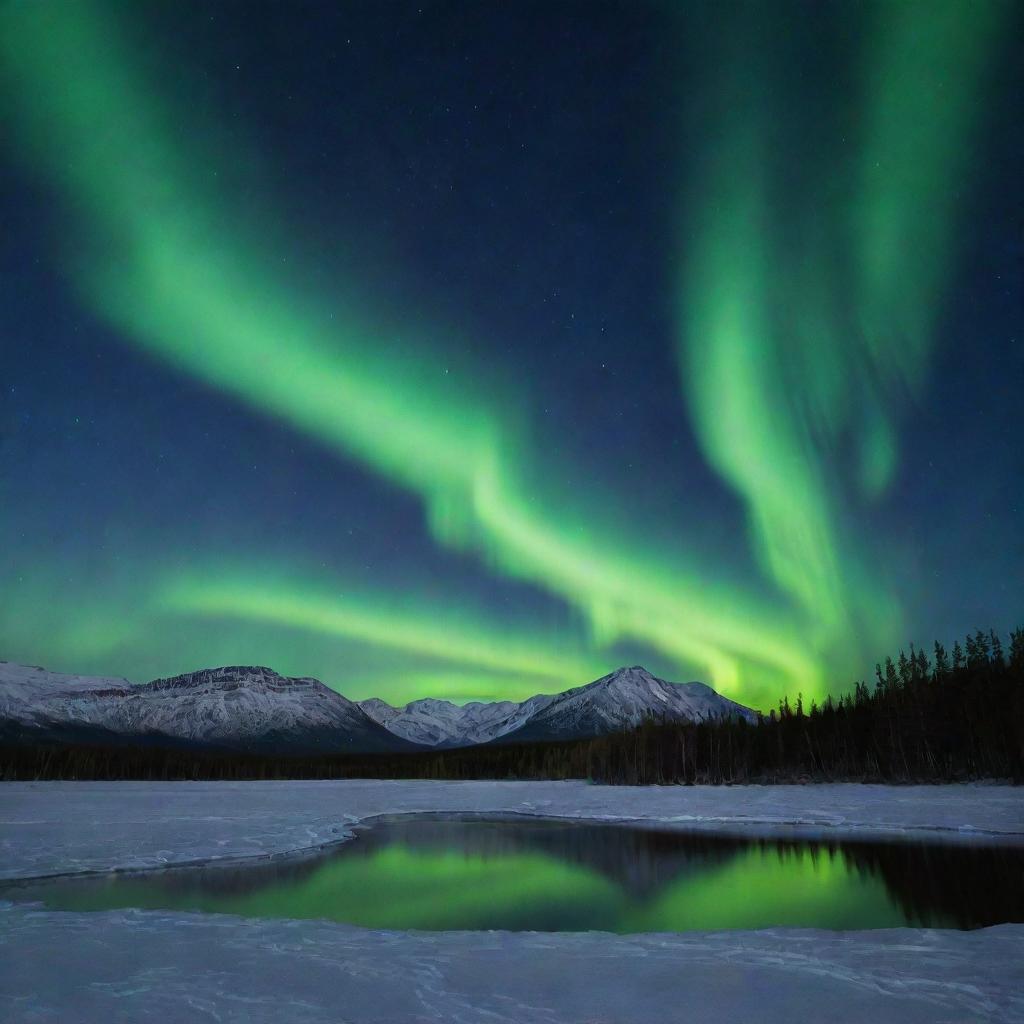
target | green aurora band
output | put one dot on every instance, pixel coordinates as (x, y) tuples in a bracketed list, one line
[(790, 391), (447, 633), (159, 254)]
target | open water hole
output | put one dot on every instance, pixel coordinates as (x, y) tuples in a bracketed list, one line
[(444, 873)]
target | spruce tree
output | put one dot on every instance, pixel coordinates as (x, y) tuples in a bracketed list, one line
[(996, 648), (904, 669), (1017, 649)]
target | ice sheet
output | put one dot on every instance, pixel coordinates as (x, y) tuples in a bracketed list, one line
[(152, 965)]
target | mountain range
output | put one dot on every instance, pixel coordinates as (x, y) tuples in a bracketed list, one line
[(256, 709)]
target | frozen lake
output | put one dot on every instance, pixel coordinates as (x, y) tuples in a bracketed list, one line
[(467, 873), (235, 962)]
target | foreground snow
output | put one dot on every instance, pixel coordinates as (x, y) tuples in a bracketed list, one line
[(138, 966), (135, 966)]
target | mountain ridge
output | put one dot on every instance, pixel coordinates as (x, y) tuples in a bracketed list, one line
[(254, 708), (234, 707), (619, 700)]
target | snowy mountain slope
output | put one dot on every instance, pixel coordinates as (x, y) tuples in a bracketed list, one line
[(439, 723), (253, 708), (238, 707), (622, 699)]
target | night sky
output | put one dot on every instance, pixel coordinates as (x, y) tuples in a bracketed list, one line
[(475, 349)]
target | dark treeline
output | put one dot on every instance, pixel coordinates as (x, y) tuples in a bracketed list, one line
[(956, 715)]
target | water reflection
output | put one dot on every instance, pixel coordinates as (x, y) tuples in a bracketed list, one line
[(546, 876)]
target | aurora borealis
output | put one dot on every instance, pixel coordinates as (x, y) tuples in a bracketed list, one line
[(472, 351)]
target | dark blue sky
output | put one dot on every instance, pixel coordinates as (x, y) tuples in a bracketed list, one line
[(513, 230)]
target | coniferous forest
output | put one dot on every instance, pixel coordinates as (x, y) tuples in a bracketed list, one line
[(952, 716)]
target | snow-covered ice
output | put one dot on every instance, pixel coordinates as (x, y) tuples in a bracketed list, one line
[(156, 965), (60, 827), (151, 966)]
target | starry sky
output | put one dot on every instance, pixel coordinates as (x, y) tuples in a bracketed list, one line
[(472, 350)]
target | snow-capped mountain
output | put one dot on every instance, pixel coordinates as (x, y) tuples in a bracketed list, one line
[(439, 723), (622, 699), (236, 707), (253, 708)]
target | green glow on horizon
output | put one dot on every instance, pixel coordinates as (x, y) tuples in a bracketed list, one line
[(433, 633), (160, 255), (464, 686)]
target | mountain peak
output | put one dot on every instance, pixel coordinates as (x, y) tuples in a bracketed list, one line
[(254, 707), (248, 707), (629, 670), (630, 677), (620, 700)]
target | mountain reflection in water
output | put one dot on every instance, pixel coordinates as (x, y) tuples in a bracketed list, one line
[(549, 876)]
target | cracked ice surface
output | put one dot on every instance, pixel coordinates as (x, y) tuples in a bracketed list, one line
[(58, 827), (170, 967)]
